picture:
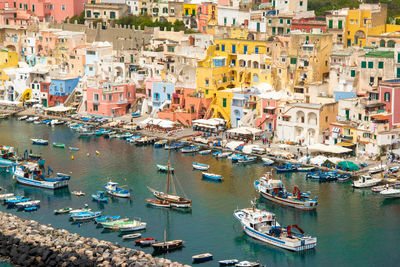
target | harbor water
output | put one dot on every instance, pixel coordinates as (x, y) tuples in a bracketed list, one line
[(353, 227)]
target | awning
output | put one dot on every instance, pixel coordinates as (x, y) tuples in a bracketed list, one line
[(244, 130), (270, 108), (286, 116), (335, 149), (335, 129), (379, 117), (345, 144), (59, 109)]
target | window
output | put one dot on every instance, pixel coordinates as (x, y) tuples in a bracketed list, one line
[(366, 135), (391, 43), (112, 15), (330, 24), (382, 43), (380, 64), (225, 20), (207, 82), (281, 21), (386, 97), (96, 97), (398, 73), (256, 50), (88, 14), (353, 73), (131, 58), (224, 102), (104, 98), (370, 65), (366, 118), (363, 64), (63, 7), (398, 58), (340, 24), (359, 116), (223, 48), (371, 80), (233, 21), (293, 60), (288, 21), (95, 107), (269, 21), (110, 98), (301, 3)]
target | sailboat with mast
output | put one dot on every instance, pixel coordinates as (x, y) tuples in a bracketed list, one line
[(169, 199)]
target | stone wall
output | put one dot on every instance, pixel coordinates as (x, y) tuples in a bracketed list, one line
[(28, 243)]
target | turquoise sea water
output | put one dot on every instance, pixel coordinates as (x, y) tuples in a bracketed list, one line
[(354, 227)]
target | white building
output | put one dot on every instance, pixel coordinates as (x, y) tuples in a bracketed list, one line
[(290, 6)]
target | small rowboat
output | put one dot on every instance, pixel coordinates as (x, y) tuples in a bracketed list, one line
[(200, 166), (216, 153), (131, 236), (100, 197), (164, 168), (158, 203), (102, 219), (39, 141), (8, 195), (223, 155), (248, 159), (167, 246), (247, 264), (136, 114), (267, 161), (305, 169), (202, 257), (58, 145), (205, 152), (31, 208), (73, 148), (62, 211), (78, 193), (145, 241), (212, 176), (190, 149), (22, 118), (228, 262)]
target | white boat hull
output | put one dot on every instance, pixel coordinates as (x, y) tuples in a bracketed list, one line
[(391, 193), (306, 205), (42, 184)]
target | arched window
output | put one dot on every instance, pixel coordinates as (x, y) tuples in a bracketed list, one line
[(255, 78), (390, 43), (382, 43)]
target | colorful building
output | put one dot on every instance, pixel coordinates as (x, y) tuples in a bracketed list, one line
[(8, 59), (110, 100), (60, 89)]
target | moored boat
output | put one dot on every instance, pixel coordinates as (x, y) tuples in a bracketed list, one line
[(248, 159), (131, 236), (113, 189), (100, 197), (73, 148), (165, 168), (22, 118), (190, 149), (205, 152), (58, 145), (377, 169), (202, 257), (78, 193), (200, 166), (262, 225), (30, 208), (267, 161), (145, 241), (288, 167), (305, 169), (228, 262), (40, 141), (158, 203), (85, 215), (223, 155), (125, 226), (167, 246), (7, 195), (212, 176), (247, 264), (136, 114), (26, 204), (63, 210), (366, 181), (392, 191), (107, 218), (275, 191), (160, 143)]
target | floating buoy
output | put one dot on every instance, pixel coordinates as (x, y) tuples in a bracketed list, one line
[(88, 154), (97, 152), (72, 157), (52, 130)]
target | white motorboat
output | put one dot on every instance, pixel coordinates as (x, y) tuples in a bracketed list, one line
[(262, 225), (366, 181), (22, 118), (377, 169), (391, 192), (223, 155), (131, 236), (247, 264)]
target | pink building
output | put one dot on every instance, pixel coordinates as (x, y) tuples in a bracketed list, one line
[(186, 106), (270, 109), (389, 94), (202, 17), (46, 42), (308, 24), (13, 16), (47, 10), (110, 100)]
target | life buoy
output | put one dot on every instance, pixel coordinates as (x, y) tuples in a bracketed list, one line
[(269, 217), (260, 219)]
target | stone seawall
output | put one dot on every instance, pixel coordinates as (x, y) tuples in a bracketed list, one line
[(28, 243)]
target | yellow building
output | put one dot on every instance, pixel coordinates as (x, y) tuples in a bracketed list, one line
[(231, 63), (190, 10), (368, 19), (8, 59)]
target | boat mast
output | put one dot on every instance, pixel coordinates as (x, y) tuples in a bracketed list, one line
[(168, 169)]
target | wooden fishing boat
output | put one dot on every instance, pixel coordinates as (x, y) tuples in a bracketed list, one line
[(22, 118), (164, 168), (247, 264), (167, 246), (58, 145), (305, 169), (172, 198), (39, 141), (200, 166), (216, 153), (63, 210), (136, 114), (30, 208), (125, 226), (190, 149), (7, 195), (286, 168), (158, 203), (131, 236), (205, 152), (160, 143), (108, 218), (85, 215), (267, 161), (223, 155), (212, 176), (99, 197), (202, 257), (248, 159)]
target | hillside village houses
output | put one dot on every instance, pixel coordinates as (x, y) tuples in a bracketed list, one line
[(272, 65)]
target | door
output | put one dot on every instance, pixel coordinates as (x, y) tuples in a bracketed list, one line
[(347, 114), (245, 49), (44, 102), (270, 127), (348, 42), (233, 48)]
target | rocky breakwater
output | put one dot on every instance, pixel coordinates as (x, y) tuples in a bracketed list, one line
[(28, 243)]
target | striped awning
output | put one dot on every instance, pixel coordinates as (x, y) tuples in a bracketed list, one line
[(335, 130)]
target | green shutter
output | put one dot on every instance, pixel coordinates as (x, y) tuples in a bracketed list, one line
[(353, 73), (398, 73), (370, 65), (380, 64), (293, 60), (340, 24), (398, 58), (330, 24), (363, 64), (224, 102)]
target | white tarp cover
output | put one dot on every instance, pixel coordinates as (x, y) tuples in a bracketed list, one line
[(244, 130), (233, 144), (318, 160), (209, 122), (158, 122), (328, 149), (59, 109)]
